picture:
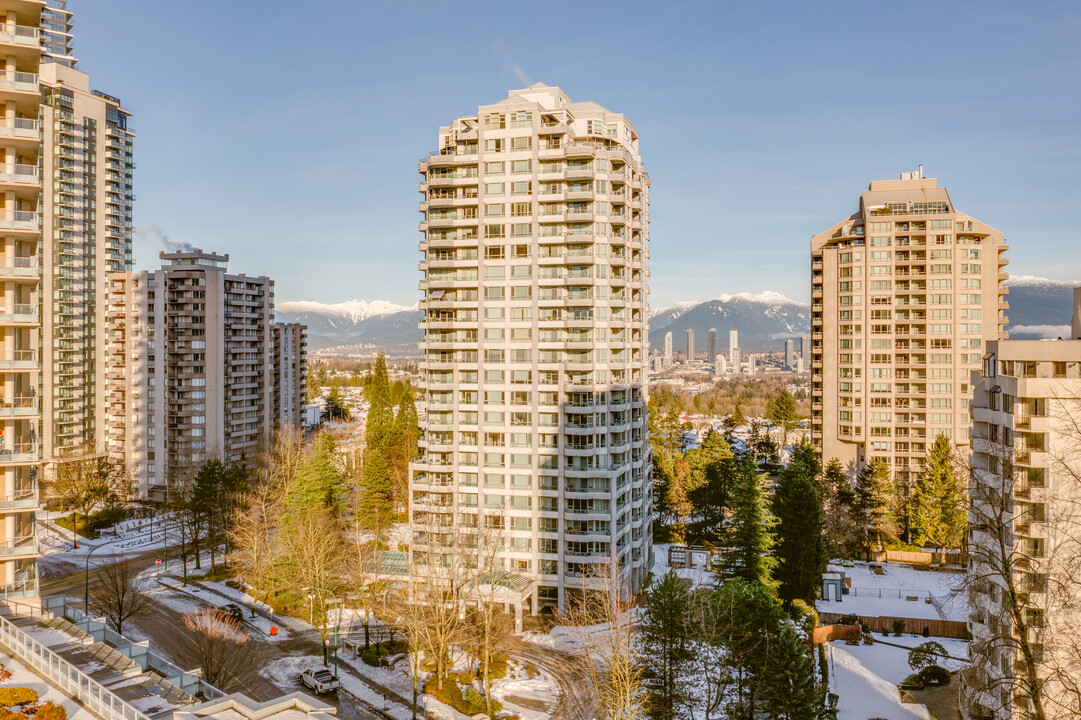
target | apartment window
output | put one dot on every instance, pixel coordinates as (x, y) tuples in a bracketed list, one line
[(521, 143), (494, 168), (494, 145), (493, 293), (494, 210), (494, 189), (522, 187)]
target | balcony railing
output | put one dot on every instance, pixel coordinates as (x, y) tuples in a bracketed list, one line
[(19, 81), (18, 313), (20, 452), (20, 35), (19, 406), (26, 545), (30, 267)]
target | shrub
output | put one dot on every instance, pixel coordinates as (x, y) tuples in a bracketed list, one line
[(850, 619), (804, 615), (463, 699), (6, 714), (48, 711), (16, 696), (935, 675), (912, 682), (925, 655), (898, 627)]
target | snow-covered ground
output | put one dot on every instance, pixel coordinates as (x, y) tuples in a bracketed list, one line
[(874, 595), (865, 678), (285, 673), (699, 575), (525, 695)]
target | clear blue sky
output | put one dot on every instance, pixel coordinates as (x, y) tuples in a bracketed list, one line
[(287, 133)]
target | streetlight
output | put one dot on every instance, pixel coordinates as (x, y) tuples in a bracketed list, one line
[(337, 621), (86, 579)]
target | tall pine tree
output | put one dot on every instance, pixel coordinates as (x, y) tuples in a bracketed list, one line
[(376, 502), (750, 528), (320, 482), (938, 510), (874, 517), (801, 552), (665, 633)]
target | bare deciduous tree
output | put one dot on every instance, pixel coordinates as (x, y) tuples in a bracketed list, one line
[(223, 651), (88, 479), (117, 596), (603, 620)]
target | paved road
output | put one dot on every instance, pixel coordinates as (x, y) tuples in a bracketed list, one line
[(164, 627)]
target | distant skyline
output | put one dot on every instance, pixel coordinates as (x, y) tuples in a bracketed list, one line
[(290, 140)]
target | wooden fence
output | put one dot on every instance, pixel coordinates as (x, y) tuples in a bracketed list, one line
[(829, 633), (884, 624)]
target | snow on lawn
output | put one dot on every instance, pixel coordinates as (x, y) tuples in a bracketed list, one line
[(699, 575), (285, 674), (21, 676), (887, 595), (865, 678), (531, 694)]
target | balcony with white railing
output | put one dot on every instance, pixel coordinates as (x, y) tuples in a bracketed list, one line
[(18, 313), (26, 82), (21, 128), (19, 360), (15, 173), (20, 35), (20, 220), (19, 267)]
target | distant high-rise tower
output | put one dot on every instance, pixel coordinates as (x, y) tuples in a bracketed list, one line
[(535, 347), (668, 348), (790, 354), (905, 293), (198, 369), (805, 350), (733, 348), (711, 345), (750, 364), (690, 346), (720, 364)]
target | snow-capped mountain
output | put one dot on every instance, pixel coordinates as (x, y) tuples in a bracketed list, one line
[(354, 322), (1039, 308), (763, 320)]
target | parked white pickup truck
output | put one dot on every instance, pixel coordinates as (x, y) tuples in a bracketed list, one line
[(320, 680)]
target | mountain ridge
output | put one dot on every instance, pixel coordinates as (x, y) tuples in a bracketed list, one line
[(1039, 308)]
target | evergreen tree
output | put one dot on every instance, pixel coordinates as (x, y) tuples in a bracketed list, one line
[(750, 528), (781, 410), (676, 498), (380, 420), (787, 673), (320, 482), (801, 552), (838, 508), (336, 409), (737, 414), (665, 634), (712, 470), (379, 436), (403, 449), (938, 512), (807, 454), (873, 511)]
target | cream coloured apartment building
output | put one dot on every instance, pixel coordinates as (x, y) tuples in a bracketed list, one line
[(1024, 525), (905, 294), (193, 372), (534, 369)]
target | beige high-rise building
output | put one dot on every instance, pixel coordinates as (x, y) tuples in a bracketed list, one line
[(1025, 521), (61, 146), (905, 293), (290, 372), (192, 371), (88, 220), (535, 343)]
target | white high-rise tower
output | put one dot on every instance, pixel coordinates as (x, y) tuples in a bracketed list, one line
[(535, 345)]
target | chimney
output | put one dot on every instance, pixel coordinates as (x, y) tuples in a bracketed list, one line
[(1076, 313), (921, 171)]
